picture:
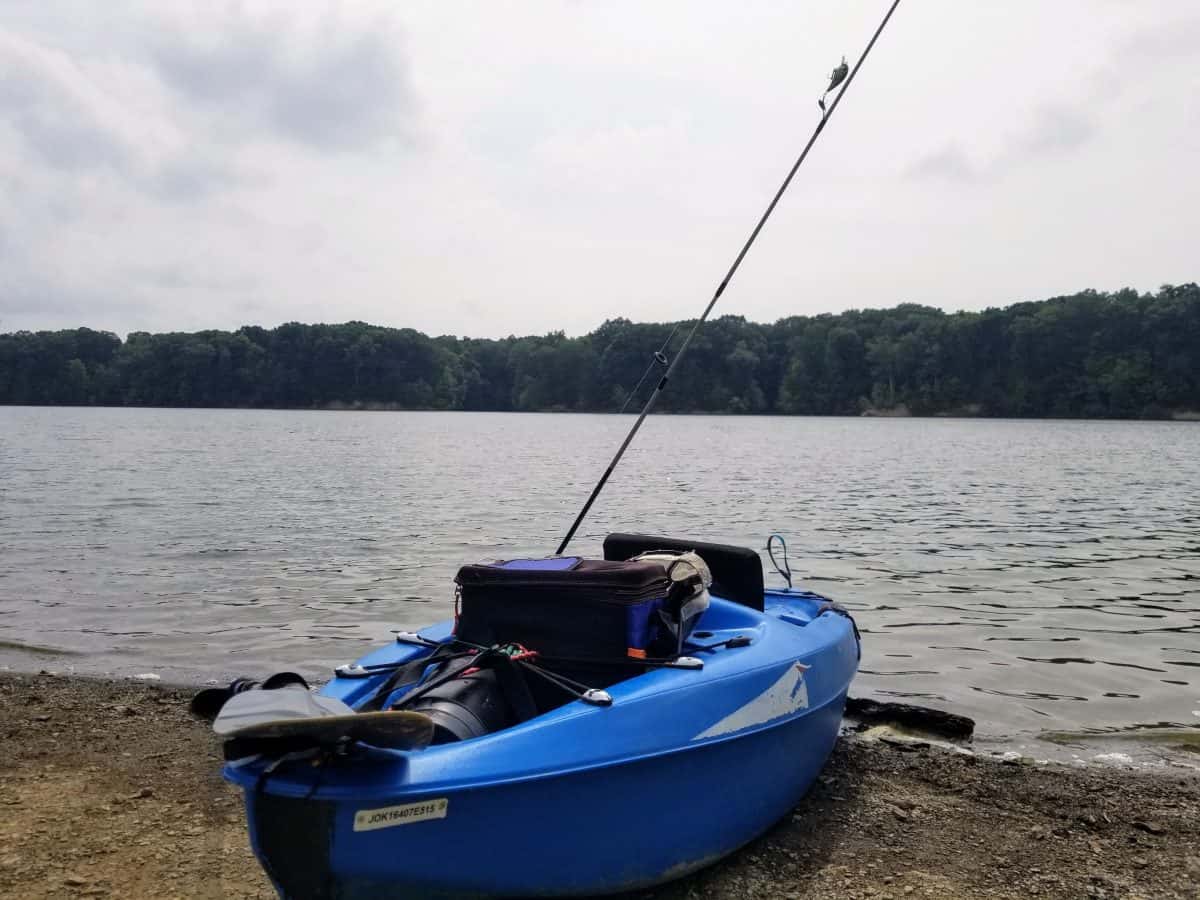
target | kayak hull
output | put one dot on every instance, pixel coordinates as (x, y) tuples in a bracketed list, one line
[(683, 769), (577, 834)]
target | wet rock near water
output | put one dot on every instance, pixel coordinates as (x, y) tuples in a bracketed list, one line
[(921, 719)]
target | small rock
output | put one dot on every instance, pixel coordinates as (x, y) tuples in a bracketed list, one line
[(901, 814), (1016, 759), (1140, 862), (75, 881), (125, 710), (42, 718), (143, 794), (904, 745), (1150, 827)]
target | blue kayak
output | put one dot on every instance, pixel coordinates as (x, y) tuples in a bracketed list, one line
[(684, 766)]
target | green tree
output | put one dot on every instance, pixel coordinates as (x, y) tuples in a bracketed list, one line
[(1120, 354)]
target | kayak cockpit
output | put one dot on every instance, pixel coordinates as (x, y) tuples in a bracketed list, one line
[(541, 649)]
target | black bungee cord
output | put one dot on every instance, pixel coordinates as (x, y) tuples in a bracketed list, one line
[(784, 570), (826, 115)]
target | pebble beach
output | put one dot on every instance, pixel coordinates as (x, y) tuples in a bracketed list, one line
[(109, 788)]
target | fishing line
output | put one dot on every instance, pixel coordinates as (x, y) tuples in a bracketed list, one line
[(658, 358), (650, 401)]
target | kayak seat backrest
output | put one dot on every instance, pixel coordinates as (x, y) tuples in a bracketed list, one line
[(736, 571)]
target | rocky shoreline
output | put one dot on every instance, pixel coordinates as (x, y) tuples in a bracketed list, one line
[(110, 789)]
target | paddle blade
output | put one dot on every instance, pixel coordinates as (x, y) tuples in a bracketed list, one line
[(294, 703), (391, 730)]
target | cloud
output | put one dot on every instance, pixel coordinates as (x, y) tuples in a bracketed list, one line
[(27, 298), (1162, 42), (80, 117), (166, 165), (329, 83), (188, 275), (950, 163), (159, 162), (193, 177), (1138, 62), (174, 104), (63, 119), (1056, 128)]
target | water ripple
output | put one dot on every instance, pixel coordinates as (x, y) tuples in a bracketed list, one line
[(209, 543)]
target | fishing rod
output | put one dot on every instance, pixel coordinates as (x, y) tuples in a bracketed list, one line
[(826, 114), (657, 358)]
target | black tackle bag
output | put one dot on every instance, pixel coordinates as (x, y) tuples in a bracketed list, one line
[(568, 607)]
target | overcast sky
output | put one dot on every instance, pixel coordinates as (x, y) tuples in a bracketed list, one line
[(496, 168)]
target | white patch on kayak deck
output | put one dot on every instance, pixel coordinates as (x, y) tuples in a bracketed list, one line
[(387, 816), (788, 694)]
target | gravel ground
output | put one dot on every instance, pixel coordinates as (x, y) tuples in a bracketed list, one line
[(110, 789)]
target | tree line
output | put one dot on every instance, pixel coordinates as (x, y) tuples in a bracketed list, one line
[(1091, 354)]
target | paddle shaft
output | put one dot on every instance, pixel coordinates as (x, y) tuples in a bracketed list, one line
[(653, 398)]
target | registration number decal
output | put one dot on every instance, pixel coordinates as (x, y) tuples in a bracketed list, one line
[(387, 816)]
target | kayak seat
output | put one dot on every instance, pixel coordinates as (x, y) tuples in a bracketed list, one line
[(736, 571)]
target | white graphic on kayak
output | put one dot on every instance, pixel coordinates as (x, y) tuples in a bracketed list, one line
[(788, 694)]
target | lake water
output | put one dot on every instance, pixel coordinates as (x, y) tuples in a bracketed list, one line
[(1039, 576)]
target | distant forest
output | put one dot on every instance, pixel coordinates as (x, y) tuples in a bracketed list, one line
[(1119, 355)]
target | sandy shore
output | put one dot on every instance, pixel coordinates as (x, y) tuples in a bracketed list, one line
[(110, 789)]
